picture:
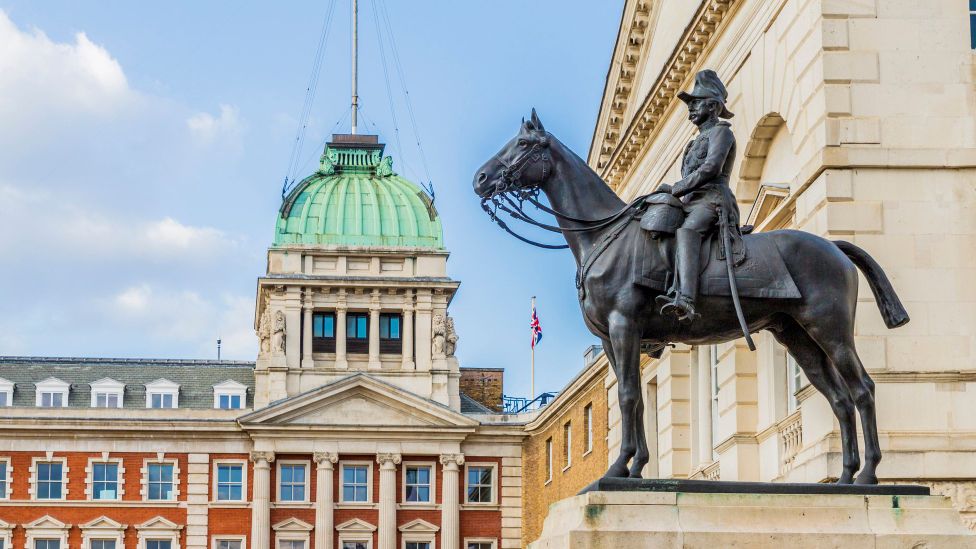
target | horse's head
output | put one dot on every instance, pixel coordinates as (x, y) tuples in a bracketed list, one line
[(523, 163)]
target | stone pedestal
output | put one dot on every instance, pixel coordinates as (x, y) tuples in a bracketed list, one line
[(630, 520)]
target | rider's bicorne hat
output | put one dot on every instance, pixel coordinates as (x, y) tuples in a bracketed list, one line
[(708, 86)]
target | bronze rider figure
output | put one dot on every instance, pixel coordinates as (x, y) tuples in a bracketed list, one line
[(704, 189)]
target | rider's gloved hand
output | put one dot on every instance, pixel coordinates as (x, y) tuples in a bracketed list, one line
[(663, 188)]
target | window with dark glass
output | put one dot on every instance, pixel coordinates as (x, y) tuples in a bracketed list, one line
[(323, 332), (972, 24), (418, 484), (480, 484), (47, 544), (418, 545), (3, 481), (390, 334), (102, 544), (357, 333)]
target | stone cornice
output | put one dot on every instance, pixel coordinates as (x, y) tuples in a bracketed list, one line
[(619, 148), (622, 72)]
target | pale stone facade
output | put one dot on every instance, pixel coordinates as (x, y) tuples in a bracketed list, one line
[(856, 120)]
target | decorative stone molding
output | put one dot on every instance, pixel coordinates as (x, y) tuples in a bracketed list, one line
[(455, 460), (325, 458), (102, 528), (620, 147), (388, 459), (257, 457), (6, 530), (47, 527), (159, 528), (713, 471)]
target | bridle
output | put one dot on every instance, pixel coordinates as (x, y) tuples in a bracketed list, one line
[(510, 199)]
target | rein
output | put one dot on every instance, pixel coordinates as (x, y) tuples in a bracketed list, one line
[(510, 199)]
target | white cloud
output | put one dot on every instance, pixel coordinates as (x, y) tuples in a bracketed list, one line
[(185, 317), (208, 129), (38, 75), (36, 221)]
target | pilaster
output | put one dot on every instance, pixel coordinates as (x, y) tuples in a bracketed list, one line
[(407, 362), (261, 499), (423, 329), (388, 500), (307, 361), (197, 501), (341, 362), (450, 507), (324, 499)]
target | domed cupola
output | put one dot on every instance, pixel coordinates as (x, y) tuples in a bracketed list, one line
[(356, 199)]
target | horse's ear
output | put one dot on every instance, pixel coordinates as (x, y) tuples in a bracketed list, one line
[(527, 125), (536, 122)]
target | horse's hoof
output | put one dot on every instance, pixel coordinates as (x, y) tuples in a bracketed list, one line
[(866, 478), (846, 478), (617, 471)]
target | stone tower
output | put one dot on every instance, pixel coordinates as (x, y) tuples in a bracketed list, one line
[(356, 282)]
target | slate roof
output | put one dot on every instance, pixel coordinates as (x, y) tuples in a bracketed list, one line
[(472, 406), (195, 377)]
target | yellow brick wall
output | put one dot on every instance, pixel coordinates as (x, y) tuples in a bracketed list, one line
[(537, 494)]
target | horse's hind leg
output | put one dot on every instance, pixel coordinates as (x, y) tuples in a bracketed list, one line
[(839, 346), (643, 454), (825, 378)]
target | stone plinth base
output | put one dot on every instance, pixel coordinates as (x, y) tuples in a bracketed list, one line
[(631, 520)]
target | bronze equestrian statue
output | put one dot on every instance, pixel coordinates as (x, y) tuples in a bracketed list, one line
[(807, 297)]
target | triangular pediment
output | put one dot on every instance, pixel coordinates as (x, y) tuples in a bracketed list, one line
[(356, 526), (47, 521), (418, 526), (158, 523), (102, 523), (292, 525), (357, 400)]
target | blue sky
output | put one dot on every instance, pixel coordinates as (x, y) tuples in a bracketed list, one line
[(143, 146)]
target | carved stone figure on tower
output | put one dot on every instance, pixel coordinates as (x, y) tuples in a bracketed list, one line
[(278, 336), (439, 333), (452, 338)]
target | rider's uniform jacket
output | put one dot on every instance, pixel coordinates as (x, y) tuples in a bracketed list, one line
[(705, 171)]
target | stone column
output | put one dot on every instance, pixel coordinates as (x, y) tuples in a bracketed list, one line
[(407, 332), (261, 500), (340, 332), (307, 330), (374, 331), (450, 507), (324, 499), (387, 527)]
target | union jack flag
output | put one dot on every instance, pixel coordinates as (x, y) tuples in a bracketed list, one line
[(536, 328)]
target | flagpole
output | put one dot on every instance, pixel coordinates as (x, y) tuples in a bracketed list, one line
[(532, 375)]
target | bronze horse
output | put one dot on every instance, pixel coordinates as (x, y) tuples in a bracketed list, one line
[(816, 329)]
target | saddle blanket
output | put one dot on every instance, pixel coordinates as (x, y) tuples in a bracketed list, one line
[(762, 273)]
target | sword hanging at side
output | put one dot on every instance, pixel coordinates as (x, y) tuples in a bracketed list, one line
[(730, 268)]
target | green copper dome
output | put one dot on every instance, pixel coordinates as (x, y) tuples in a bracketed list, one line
[(355, 199)]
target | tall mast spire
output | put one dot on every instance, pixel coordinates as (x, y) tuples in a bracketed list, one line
[(355, 62)]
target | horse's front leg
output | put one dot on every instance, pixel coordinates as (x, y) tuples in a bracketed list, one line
[(625, 344)]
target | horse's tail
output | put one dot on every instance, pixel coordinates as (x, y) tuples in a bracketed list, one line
[(892, 310)]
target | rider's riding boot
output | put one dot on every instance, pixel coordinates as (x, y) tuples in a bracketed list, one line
[(687, 259)]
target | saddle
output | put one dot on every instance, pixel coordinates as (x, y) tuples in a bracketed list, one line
[(760, 271)]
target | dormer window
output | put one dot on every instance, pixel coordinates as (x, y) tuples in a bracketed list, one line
[(52, 393), (6, 392), (107, 393), (229, 395), (162, 393)]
